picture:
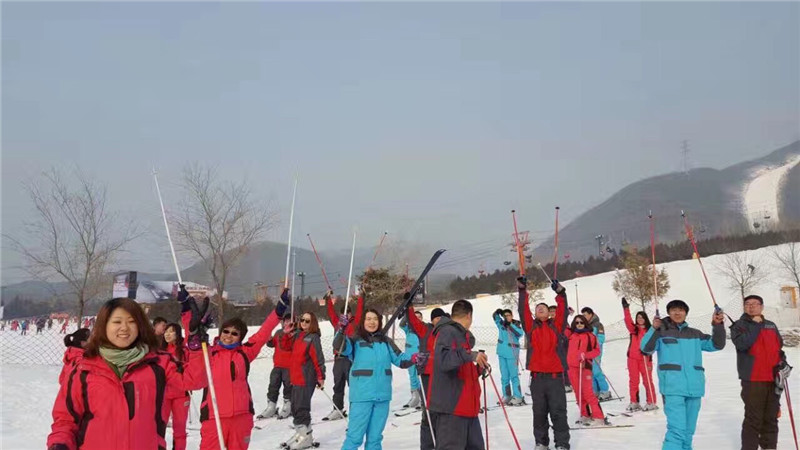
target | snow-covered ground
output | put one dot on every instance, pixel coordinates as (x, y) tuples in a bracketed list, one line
[(760, 195), (28, 390)]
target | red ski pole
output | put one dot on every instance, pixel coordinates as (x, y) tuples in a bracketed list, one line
[(519, 247), (690, 235), (380, 244), (555, 252), (791, 412), (321, 267), (505, 413)]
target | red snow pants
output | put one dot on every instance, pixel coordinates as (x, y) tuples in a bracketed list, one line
[(235, 431), (637, 371), (587, 400), (178, 408)]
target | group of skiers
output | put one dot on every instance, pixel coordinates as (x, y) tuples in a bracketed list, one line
[(122, 382)]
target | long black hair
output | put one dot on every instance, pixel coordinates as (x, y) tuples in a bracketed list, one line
[(362, 332), (575, 321), (647, 324), (178, 341)]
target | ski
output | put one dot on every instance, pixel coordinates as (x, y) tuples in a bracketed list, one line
[(409, 296), (620, 414), (611, 399), (284, 445), (406, 411), (601, 427)]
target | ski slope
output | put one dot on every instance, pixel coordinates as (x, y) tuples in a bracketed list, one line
[(760, 195), (28, 391)]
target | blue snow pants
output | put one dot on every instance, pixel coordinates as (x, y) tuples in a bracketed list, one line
[(413, 378), (599, 383), (366, 419), (509, 376), (681, 415)]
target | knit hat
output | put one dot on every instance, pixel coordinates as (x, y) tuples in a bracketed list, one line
[(754, 297), (678, 304), (75, 339), (437, 312)]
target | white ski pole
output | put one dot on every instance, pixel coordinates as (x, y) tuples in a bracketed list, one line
[(289, 245), (350, 277), (334, 404), (206, 361), (425, 405)]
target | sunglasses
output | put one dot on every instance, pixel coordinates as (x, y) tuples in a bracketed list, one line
[(305, 320), (232, 333), (580, 323)]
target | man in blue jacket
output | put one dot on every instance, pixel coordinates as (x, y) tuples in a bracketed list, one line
[(681, 376), (509, 332)]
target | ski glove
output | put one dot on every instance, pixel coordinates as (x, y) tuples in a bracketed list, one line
[(782, 371), (199, 322), (284, 304), (343, 321), (183, 294), (497, 312), (522, 282), (420, 359), (625, 303), (557, 287)]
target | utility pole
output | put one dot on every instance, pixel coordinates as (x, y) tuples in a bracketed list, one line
[(302, 276)]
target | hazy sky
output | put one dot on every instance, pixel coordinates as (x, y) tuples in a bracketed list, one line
[(430, 120)]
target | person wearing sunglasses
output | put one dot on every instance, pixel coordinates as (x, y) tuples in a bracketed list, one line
[(583, 348), (307, 372), (230, 362)]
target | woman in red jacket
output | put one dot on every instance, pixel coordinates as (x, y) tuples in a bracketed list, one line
[(307, 372), (230, 365), (114, 397), (178, 406), (583, 348), (75, 343), (639, 364), (281, 342)]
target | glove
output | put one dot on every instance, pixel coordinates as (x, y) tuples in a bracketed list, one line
[(198, 324), (522, 282), (328, 295), (343, 321), (420, 359), (557, 287), (583, 356), (497, 312), (625, 303), (285, 298), (183, 294), (284, 304), (782, 371)]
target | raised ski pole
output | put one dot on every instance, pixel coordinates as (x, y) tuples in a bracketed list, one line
[(520, 255), (204, 346), (425, 405), (690, 235), (380, 244), (486, 410), (319, 261), (545, 273), (653, 252), (289, 244), (505, 413), (791, 412), (555, 252)]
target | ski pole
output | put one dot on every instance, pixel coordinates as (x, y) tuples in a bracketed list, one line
[(380, 244), (322, 389), (545, 273), (505, 413), (600, 368), (486, 411), (649, 383), (690, 235), (289, 245), (653, 251), (425, 405), (206, 360), (519, 247), (580, 389), (319, 261), (555, 252), (791, 412)]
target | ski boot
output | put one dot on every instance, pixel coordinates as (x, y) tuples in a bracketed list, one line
[(650, 407), (304, 439), (568, 389), (286, 409), (541, 447), (633, 407), (334, 415), (583, 421), (599, 422), (604, 396), (271, 411), (515, 401), (415, 400)]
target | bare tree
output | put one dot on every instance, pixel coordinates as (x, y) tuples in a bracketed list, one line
[(743, 270), (788, 258), (218, 222), (76, 237), (635, 281)]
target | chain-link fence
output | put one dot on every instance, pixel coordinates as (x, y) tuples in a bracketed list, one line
[(48, 348)]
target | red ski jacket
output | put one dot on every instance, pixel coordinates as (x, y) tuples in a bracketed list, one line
[(308, 361), (352, 326), (72, 356), (585, 343), (96, 410), (229, 368), (453, 387), (637, 333), (543, 336), (282, 343), (758, 348), (423, 332)]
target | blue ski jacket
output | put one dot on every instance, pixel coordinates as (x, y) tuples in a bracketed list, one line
[(508, 335), (371, 372)]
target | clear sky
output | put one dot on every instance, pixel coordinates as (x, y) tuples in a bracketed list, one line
[(430, 120)]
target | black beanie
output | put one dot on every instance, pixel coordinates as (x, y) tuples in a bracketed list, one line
[(678, 304), (437, 312), (75, 339)]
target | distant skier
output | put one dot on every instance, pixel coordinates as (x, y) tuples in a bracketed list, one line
[(373, 355), (639, 365), (509, 332), (599, 382), (759, 356), (547, 373), (681, 376), (281, 343), (454, 391)]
